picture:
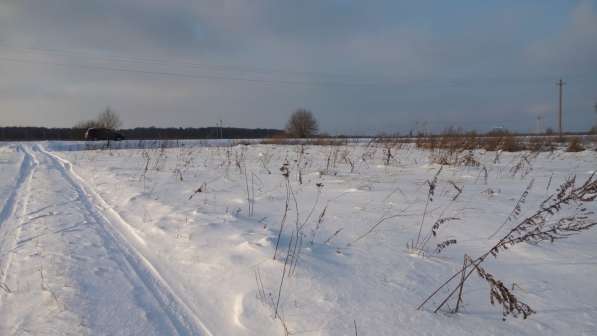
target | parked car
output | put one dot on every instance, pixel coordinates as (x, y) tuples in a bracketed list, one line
[(94, 134)]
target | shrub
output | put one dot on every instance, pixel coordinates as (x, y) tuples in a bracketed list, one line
[(575, 145), (510, 143)]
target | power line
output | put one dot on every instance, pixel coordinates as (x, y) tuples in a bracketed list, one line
[(453, 82), (193, 64), (419, 83), (182, 75), (216, 77)]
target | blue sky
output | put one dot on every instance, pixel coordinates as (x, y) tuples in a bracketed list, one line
[(361, 67)]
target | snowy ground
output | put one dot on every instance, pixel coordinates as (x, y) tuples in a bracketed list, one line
[(122, 242)]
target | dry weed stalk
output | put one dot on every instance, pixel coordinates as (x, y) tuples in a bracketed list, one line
[(549, 183), (523, 166), (544, 225), (261, 295), (369, 231), (202, 188), (499, 293), (5, 287), (443, 157), (517, 209), (496, 159), (283, 276), (331, 159), (485, 175), (147, 158), (469, 160), (264, 160), (388, 153), (444, 244), (250, 192), (299, 164), (286, 173), (329, 239), (430, 193), (458, 190), (345, 155)]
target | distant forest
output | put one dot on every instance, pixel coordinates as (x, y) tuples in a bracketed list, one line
[(139, 133)]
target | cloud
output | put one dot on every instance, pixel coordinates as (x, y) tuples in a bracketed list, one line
[(573, 48), (366, 67)]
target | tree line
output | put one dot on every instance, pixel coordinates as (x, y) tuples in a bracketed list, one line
[(138, 133), (301, 124)]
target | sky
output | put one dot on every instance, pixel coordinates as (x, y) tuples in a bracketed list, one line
[(361, 67)]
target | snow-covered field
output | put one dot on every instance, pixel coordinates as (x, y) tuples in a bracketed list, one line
[(181, 240)]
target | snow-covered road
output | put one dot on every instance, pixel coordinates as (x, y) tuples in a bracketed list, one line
[(65, 268)]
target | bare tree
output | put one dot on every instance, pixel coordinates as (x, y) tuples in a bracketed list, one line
[(302, 124), (108, 119)]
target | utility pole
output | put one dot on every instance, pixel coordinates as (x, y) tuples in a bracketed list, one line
[(560, 83), (595, 126), (540, 127)]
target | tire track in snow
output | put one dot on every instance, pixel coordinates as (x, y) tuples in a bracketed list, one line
[(118, 231), (15, 203)]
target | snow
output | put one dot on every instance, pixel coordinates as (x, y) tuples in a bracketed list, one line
[(122, 242)]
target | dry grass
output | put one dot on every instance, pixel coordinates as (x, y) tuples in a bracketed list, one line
[(506, 142), (575, 145), (321, 141)]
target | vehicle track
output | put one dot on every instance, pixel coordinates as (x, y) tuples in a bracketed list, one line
[(117, 231), (12, 214)]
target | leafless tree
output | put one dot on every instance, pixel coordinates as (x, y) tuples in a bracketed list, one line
[(302, 124), (108, 119)]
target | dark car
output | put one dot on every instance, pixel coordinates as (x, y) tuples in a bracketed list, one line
[(94, 134)]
